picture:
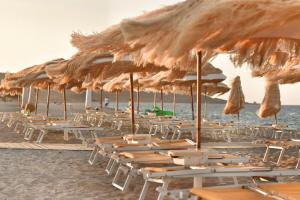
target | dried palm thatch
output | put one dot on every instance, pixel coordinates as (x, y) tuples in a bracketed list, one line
[(91, 64), (288, 74), (58, 72), (271, 104), (212, 89), (252, 31), (137, 79), (109, 40), (236, 100), (95, 67), (78, 90), (178, 77), (160, 79), (210, 74), (9, 91), (120, 67), (35, 75), (116, 84)]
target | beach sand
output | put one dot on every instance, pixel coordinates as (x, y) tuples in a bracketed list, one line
[(63, 175), (55, 174)]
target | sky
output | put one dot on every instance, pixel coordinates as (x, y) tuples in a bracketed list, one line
[(36, 31)]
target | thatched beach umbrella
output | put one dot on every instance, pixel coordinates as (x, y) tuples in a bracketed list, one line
[(36, 77), (98, 85), (211, 89), (122, 68), (262, 26), (288, 73), (236, 100), (210, 74), (271, 104), (116, 85), (4, 91), (252, 31), (136, 81)]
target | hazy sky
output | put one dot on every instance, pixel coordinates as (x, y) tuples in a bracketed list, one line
[(35, 31)]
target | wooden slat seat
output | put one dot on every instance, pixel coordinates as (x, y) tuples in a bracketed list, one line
[(227, 194), (113, 139), (147, 157), (163, 169), (120, 145), (175, 143), (289, 191)]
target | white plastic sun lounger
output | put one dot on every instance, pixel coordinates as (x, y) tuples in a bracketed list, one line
[(164, 177), (274, 191), (280, 146), (132, 162), (111, 145), (78, 130)]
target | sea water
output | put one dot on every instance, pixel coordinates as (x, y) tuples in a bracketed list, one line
[(289, 115)]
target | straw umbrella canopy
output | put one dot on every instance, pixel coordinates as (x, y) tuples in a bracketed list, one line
[(177, 81), (13, 91), (34, 76), (271, 104), (253, 30), (39, 79), (210, 75), (109, 40), (93, 67), (288, 74), (103, 66), (236, 100)]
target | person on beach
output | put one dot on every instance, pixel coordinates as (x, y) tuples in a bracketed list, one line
[(106, 101)]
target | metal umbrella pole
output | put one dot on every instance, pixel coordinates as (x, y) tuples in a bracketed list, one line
[(48, 100), (132, 104)]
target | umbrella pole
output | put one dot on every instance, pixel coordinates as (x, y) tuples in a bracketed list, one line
[(276, 118), (36, 99), (199, 88), (138, 98), (154, 100), (25, 96), (205, 103), (48, 100), (101, 98), (65, 104), (197, 179), (132, 104), (238, 115), (174, 103), (192, 102), (162, 100), (19, 103), (117, 101)]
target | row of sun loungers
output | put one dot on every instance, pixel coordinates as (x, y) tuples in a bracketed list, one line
[(159, 155), (162, 164), (263, 192)]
